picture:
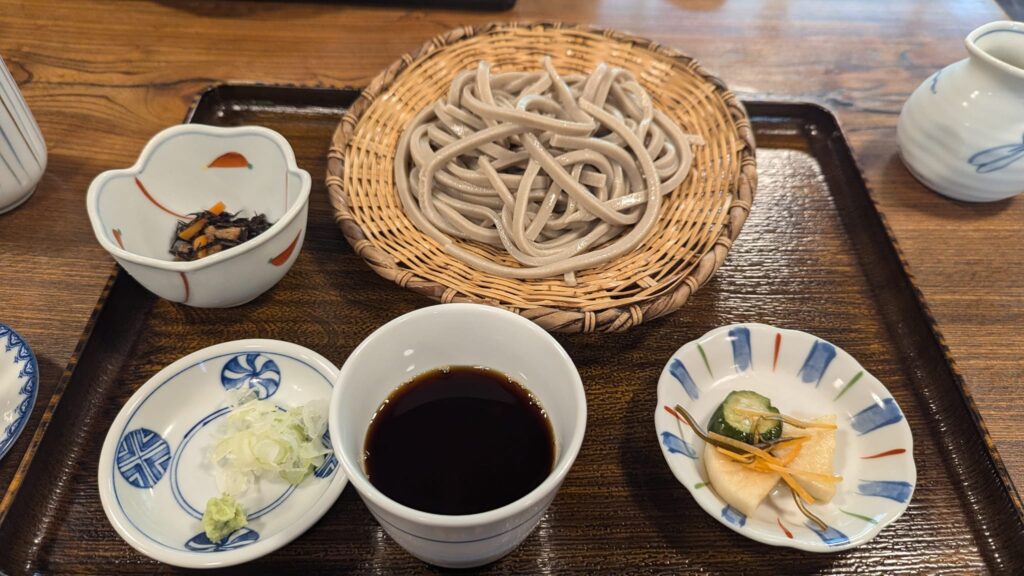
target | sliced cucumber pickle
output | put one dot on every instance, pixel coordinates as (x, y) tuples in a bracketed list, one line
[(728, 422)]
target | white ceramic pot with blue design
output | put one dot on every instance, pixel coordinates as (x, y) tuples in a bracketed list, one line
[(961, 133)]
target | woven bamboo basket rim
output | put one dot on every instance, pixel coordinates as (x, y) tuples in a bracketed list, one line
[(697, 224)]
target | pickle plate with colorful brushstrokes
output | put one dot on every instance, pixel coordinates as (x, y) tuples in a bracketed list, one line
[(806, 378)]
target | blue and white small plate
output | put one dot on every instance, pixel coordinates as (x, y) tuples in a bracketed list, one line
[(19, 384), (154, 473), (805, 377)]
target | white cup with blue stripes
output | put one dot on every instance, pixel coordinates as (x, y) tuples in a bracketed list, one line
[(22, 150)]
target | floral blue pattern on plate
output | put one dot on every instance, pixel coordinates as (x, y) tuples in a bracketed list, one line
[(19, 384), (154, 474), (254, 371), (805, 377)]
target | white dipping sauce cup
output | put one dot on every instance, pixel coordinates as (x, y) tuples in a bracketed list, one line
[(457, 335)]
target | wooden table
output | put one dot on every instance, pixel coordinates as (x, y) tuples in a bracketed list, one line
[(103, 76)]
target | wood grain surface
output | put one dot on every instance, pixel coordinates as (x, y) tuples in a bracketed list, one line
[(1014, 8), (103, 76), (816, 258)]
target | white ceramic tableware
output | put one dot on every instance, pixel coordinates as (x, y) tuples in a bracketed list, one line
[(154, 473), (805, 377), (961, 133), (457, 335), (22, 149), (189, 168), (19, 384)]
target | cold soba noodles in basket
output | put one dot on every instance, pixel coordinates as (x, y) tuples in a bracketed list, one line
[(561, 172)]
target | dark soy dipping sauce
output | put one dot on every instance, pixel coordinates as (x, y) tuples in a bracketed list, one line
[(459, 440)]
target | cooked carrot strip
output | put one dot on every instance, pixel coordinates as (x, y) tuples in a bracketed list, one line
[(192, 229), (787, 419), (199, 245), (216, 209)]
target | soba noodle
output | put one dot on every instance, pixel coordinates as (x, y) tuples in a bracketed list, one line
[(562, 172)]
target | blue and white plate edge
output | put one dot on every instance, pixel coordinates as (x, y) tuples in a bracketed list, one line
[(13, 431)]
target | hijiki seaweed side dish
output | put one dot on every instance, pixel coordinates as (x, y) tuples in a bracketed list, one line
[(214, 230)]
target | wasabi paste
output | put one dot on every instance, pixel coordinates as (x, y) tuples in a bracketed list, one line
[(222, 516)]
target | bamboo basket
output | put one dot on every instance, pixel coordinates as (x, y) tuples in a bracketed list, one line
[(697, 223)]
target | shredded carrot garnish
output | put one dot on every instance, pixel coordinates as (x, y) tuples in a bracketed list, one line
[(759, 466), (796, 487), (804, 473), (744, 458), (792, 454), (787, 419), (788, 450), (758, 460), (217, 209), (743, 446), (789, 443)]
